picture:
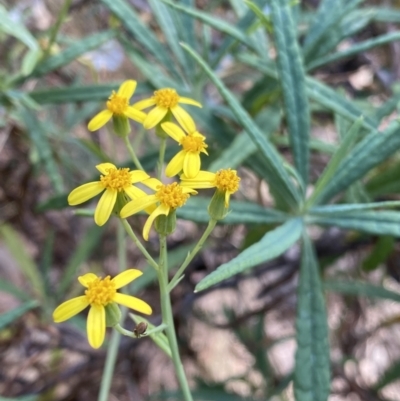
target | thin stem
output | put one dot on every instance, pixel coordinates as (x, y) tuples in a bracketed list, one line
[(192, 254), (168, 319), (163, 145), (133, 154), (135, 239), (112, 351)]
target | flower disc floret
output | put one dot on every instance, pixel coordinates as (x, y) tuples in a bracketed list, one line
[(100, 291), (171, 195), (227, 180), (117, 104), (117, 179), (166, 97), (193, 143)]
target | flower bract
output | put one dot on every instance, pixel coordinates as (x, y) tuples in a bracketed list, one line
[(112, 181), (188, 159), (118, 105), (168, 197), (226, 181), (99, 293), (165, 100)]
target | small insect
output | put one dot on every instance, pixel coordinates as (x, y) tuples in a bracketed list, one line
[(140, 329)]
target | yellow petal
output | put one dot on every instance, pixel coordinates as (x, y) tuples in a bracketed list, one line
[(70, 308), (84, 193), (133, 303), (187, 190), (137, 205), (86, 279), (154, 117), (134, 192), (203, 176), (96, 326), (152, 183), (127, 89), (184, 119), (135, 114), (99, 120), (187, 100), (227, 196), (175, 166), (162, 209), (104, 167), (138, 176), (126, 277), (144, 104), (191, 164), (173, 131), (105, 207)]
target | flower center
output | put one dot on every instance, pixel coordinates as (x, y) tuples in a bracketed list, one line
[(100, 291), (227, 180), (116, 179), (193, 143), (166, 98), (117, 104), (171, 195)]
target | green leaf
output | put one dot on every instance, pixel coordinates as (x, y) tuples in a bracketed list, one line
[(13, 28), (391, 374), (240, 212), (373, 222), (350, 208), (30, 61), (72, 52), (358, 288), (25, 263), (312, 367), (9, 288), (272, 158), (8, 317), (37, 133), (134, 25), (380, 253), (23, 398), (339, 155), (291, 72), (273, 244), (385, 14), (355, 49), (371, 151)]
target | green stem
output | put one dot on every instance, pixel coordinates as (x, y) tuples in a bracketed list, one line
[(163, 145), (192, 254), (112, 351), (133, 154), (168, 319), (135, 239)]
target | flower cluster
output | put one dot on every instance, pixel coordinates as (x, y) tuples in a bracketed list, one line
[(126, 192)]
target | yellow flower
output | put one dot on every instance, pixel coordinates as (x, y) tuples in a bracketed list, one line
[(167, 99), (188, 159), (99, 293), (113, 181), (168, 197), (118, 105), (226, 181)]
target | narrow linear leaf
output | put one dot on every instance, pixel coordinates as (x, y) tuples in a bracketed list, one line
[(312, 367), (391, 374), (373, 222), (8, 317), (25, 263), (134, 25), (291, 72), (358, 288), (273, 244), (371, 151), (385, 14), (272, 157), (72, 52), (339, 155), (240, 212), (356, 49), (380, 253), (9, 288), (350, 208), (40, 140)]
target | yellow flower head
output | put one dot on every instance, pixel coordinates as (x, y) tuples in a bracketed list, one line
[(112, 181), (98, 294), (188, 159), (168, 197), (118, 105), (226, 181), (165, 100)]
